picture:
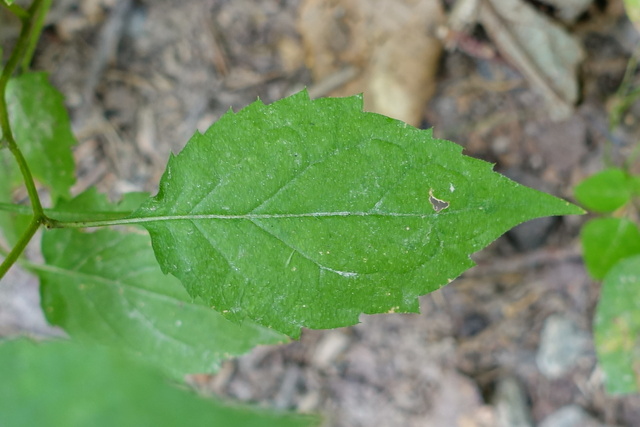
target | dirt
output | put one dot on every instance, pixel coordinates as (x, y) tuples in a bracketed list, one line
[(175, 67)]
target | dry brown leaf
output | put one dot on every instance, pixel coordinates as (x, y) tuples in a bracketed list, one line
[(291, 55), (390, 42)]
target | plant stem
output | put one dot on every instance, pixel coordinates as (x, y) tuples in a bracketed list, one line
[(28, 179), (38, 14), (58, 216), (31, 25), (19, 247), (17, 11), (28, 27)]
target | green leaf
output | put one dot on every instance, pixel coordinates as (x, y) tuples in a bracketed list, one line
[(635, 185), (42, 130), (12, 225), (308, 213), (633, 11), (7, 2), (605, 191), (107, 287), (10, 231), (91, 201), (605, 241), (91, 205), (61, 384), (617, 327)]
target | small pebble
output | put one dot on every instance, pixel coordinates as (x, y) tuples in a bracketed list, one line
[(570, 416), (561, 345)]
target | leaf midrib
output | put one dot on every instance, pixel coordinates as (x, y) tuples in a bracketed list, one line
[(277, 216)]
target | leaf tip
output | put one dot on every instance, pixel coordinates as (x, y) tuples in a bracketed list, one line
[(304, 93)]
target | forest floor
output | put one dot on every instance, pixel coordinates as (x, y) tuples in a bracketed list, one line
[(509, 343)]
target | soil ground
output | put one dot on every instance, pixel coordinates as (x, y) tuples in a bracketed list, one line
[(140, 77)]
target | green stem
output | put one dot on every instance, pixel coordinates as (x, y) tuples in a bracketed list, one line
[(28, 179), (24, 263), (19, 247), (30, 28), (17, 11), (623, 89), (39, 13), (623, 99), (22, 45), (58, 216)]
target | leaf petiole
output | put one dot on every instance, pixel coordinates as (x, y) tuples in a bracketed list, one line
[(62, 217), (24, 240), (18, 11), (29, 26), (38, 15)]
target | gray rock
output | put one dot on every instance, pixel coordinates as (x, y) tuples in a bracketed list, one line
[(570, 416), (561, 345), (511, 404)]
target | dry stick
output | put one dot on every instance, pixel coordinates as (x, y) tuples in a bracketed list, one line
[(219, 57), (332, 82), (520, 58), (516, 263), (110, 36)]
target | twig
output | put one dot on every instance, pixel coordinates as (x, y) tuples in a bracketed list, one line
[(545, 256), (332, 82), (110, 36)]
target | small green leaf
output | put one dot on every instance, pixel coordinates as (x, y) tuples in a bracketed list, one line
[(605, 191), (617, 327), (107, 287), (633, 11), (62, 384), (635, 185), (42, 130), (308, 213), (8, 2), (605, 241)]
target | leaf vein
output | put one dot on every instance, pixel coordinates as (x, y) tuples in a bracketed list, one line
[(290, 246), (106, 281), (98, 250)]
